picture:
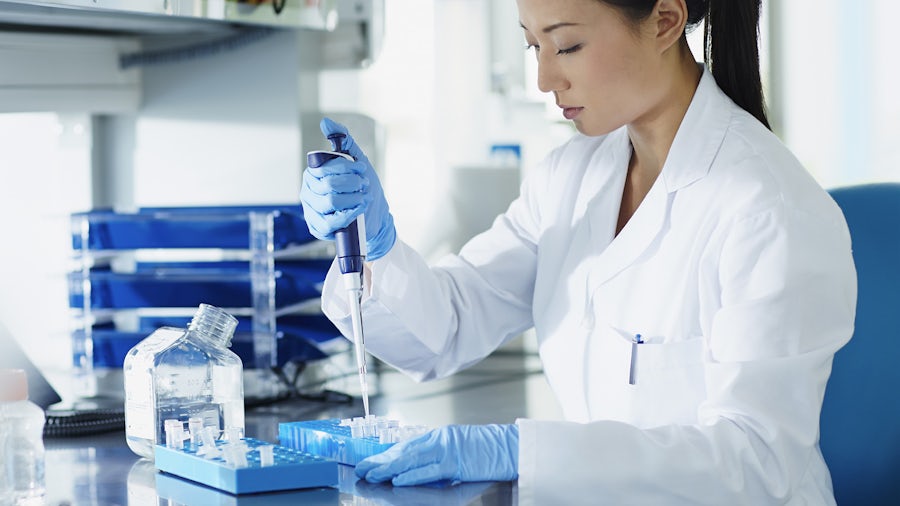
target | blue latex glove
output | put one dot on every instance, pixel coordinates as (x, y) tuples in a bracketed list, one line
[(458, 453), (334, 194)]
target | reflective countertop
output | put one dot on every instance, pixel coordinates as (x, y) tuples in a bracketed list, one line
[(101, 470)]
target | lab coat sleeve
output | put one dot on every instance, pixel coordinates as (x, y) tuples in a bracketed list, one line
[(430, 322), (782, 296)]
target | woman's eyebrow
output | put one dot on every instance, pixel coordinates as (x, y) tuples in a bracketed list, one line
[(548, 29)]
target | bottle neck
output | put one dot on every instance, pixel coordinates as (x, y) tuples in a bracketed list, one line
[(213, 325)]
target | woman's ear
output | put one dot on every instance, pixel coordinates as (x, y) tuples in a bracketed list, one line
[(669, 18)]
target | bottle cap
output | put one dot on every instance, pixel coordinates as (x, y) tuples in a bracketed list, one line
[(13, 385)]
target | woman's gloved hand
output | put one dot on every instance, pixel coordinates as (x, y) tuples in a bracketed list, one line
[(459, 453), (334, 194)]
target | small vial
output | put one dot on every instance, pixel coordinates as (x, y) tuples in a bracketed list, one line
[(209, 435), (371, 426), (356, 428), (228, 455), (208, 449), (234, 434), (195, 426), (21, 441), (236, 455), (388, 435), (174, 434), (266, 455), (381, 425)]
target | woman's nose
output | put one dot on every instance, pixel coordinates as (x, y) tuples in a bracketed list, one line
[(549, 76)]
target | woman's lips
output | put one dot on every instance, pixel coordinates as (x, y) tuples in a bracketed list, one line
[(571, 112)]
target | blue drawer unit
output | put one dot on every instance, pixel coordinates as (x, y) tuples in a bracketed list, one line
[(188, 286), (259, 261), (301, 338)]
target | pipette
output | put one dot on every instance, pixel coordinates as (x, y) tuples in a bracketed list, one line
[(350, 244)]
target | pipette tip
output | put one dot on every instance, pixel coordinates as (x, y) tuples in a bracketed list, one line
[(365, 394)]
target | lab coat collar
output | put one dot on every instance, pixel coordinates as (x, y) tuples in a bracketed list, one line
[(699, 136), (693, 150)]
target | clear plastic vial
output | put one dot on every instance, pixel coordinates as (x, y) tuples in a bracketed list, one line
[(21, 442), (178, 374)]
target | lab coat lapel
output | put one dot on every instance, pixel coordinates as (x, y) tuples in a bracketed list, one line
[(640, 231), (699, 136), (595, 209), (690, 157)]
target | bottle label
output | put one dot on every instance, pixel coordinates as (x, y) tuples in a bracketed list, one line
[(139, 400)]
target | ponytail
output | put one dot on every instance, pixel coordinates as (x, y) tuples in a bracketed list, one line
[(730, 43), (731, 52)]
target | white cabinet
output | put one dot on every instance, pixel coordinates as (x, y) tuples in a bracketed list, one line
[(67, 73)]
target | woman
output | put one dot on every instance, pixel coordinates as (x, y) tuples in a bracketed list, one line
[(687, 280)]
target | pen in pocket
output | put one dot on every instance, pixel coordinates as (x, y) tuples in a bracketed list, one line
[(634, 347)]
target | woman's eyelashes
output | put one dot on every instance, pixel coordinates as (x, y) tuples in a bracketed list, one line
[(568, 50)]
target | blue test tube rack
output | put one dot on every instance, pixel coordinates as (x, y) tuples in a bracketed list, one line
[(335, 439), (290, 469)]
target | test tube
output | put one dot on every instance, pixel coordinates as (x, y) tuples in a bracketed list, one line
[(356, 428), (174, 433), (381, 426), (234, 434), (236, 455), (195, 426), (266, 455), (208, 448), (388, 435)]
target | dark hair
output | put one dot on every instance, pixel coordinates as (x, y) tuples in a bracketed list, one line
[(729, 44)]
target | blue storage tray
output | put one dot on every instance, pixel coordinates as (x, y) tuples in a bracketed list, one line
[(190, 286), (291, 470), (226, 227), (295, 343), (314, 328)]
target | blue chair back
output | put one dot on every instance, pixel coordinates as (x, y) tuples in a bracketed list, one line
[(860, 424)]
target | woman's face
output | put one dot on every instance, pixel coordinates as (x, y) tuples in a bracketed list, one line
[(602, 71)]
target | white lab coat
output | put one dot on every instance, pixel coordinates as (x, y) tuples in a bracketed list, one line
[(737, 272)]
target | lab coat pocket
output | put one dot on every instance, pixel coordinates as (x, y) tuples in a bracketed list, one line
[(647, 381)]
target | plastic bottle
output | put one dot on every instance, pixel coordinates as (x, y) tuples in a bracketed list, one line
[(21, 441), (182, 374)]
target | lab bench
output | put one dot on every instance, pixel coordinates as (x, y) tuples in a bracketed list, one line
[(100, 470)]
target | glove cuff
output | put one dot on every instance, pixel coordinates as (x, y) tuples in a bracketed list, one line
[(379, 245)]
